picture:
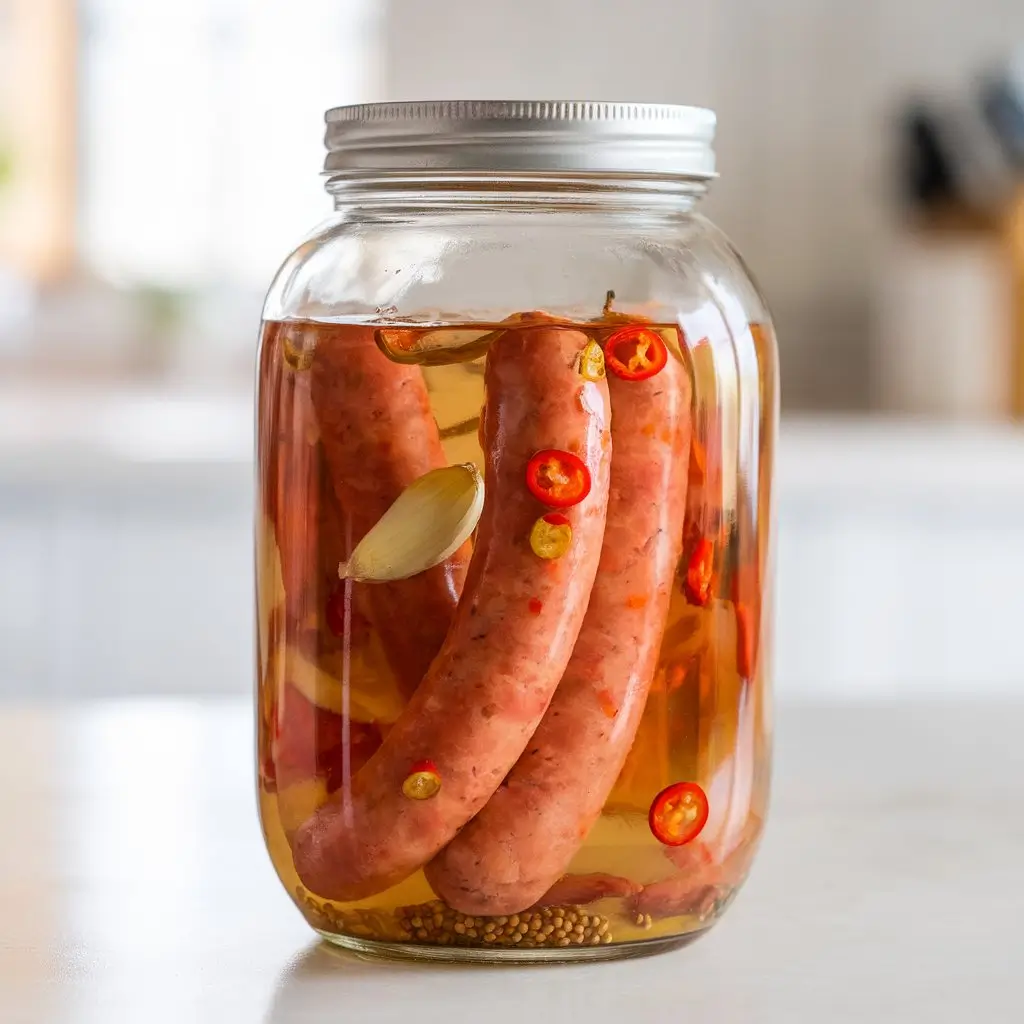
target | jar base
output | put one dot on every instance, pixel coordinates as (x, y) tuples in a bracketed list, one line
[(403, 951)]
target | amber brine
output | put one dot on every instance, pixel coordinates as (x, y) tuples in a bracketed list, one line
[(512, 590)]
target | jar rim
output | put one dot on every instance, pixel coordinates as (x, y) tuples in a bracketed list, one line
[(498, 136)]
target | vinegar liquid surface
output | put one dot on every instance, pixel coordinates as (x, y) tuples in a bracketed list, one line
[(327, 692)]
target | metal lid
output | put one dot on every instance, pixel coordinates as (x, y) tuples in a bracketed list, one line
[(520, 136)]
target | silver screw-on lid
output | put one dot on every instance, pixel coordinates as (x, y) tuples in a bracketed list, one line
[(511, 136)]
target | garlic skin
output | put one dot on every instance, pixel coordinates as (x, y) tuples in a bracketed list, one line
[(430, 520)]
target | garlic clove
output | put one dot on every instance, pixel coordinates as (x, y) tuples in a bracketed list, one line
[(430, 520), (360, 697)]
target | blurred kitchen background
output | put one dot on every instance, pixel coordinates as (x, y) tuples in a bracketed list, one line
[(158, 159)]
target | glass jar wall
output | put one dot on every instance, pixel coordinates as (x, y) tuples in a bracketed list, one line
[(515, 430)]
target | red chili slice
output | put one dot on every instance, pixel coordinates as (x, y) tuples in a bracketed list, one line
[(699, 572), (556, 478), (635, 353), (678, 813)]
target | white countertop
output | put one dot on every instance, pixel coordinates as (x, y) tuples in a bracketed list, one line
[(134, 887)]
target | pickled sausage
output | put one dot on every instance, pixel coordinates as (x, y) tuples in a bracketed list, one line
[(290, 473), (701, 878), (378, 436), (524, 839), (579, 890), (510, 641)]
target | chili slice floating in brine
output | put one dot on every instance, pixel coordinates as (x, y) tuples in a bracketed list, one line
[(422, 782), (678, 813), (635, 353), (699, 571), (556, 478)]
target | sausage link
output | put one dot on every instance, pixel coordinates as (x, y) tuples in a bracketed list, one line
[(378, 436), (579, 890), (702, 877), (483, 696), (524, 839), (289, 463)]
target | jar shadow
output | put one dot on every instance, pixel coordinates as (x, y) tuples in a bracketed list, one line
[(324, 975)]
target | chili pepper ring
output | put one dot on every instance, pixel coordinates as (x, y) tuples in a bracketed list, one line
[(678, 813), (557, 478), (635, 353)]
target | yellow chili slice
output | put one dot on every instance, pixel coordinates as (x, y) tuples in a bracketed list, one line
[(422, 782), (551, 536), (591, 364)]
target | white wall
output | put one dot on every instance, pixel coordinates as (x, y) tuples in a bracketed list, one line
[(803, 89)]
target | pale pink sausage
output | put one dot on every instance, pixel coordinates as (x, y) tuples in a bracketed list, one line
[(579, 890), (378, 436), (483, 696), (524, 839), (289, 472), (701, 879)]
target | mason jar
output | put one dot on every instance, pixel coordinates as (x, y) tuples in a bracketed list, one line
[(517, 402)]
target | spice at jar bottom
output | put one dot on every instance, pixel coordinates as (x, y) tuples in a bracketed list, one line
[(436, 922)]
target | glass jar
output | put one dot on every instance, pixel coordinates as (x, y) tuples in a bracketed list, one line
[(517, 404)]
